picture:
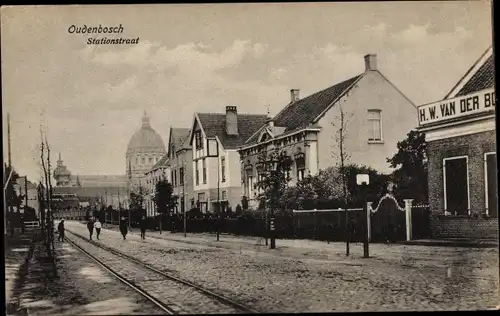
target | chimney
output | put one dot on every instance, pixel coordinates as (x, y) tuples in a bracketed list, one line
[(294, 95), (370, 62), (231, 120)]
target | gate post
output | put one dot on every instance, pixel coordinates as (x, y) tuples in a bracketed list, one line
[(368, 220), (408, 219)]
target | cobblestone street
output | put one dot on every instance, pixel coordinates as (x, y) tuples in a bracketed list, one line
[(306, 277)]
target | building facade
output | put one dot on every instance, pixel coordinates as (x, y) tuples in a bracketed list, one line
[(461, 135), (214, 139), (365, 106), (181, 168), (160, 171), (110, 190), (144, 150)]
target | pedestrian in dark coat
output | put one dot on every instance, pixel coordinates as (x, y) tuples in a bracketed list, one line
[(142, 225), (90, 227), (60, 228), (123, 228)]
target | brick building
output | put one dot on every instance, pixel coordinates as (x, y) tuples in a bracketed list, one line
[(460, 131)]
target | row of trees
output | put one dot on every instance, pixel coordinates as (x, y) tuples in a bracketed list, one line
[(333, 187), (336, 186)]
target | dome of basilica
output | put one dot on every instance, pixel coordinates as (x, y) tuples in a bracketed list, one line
[(146, 139)]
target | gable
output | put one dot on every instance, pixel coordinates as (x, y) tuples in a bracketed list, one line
[(481, 75), (196, 126), (264, 135)]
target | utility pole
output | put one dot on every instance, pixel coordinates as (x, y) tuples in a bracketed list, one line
[(8, 141), (184, 196), (119, 204), (218, 193)]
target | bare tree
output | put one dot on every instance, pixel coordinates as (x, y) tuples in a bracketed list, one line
[(49, 189), (44, 182), (341, 155), (46, 219)]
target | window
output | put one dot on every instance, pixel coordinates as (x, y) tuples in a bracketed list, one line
[(171, 177), (136, 160), (456, 185), (175, 178), (250, 187), (374, 125), (224, 196), (300, 163), (197, 173), (223, 168), (199, 140), (204, 171), (143, 160), (181, 176), (490, 173), (150, 159)]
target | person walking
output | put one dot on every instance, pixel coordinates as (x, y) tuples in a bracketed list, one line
[(90, 227), (97, 226), (60, 228), (123, 228), (143, 227)]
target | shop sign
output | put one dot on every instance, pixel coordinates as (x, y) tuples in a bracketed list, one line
[(481, 101)]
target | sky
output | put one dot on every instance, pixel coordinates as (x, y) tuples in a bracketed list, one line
[(89, 99)]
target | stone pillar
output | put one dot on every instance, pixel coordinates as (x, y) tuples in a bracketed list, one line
[(408, 203), (368, 220)]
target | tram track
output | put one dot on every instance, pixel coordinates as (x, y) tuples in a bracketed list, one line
[(158, 286)]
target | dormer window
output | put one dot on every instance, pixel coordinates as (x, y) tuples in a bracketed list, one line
[(198, 140)]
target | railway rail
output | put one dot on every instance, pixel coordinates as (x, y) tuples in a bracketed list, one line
[(172, 294)]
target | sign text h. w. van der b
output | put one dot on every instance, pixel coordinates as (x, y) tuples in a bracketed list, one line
[(481, 101)]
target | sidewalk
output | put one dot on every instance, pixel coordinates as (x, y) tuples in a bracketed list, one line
[(207, 238), (454, 242), (17, 254), (301, 249)]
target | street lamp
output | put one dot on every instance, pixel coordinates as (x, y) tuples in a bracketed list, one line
[(213, 152), (363, 180), (184, 196)]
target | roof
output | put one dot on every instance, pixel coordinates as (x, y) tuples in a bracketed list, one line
[(484, 78), (20, 181), (179, 136), (301, 113), (161, 163), (92, 192), (101, 180), (478, 77), (214, 124)]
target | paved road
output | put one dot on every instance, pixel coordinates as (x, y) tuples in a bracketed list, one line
[(320, 279)]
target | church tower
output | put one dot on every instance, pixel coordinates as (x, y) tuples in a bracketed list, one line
[(61, 174)]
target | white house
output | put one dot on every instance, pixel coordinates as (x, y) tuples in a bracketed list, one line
[(217, 175), (376, 116)]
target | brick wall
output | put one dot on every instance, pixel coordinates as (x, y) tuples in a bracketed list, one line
[(456, 227), (474, 146)]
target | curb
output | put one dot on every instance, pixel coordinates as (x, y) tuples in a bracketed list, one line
[(443, 243)]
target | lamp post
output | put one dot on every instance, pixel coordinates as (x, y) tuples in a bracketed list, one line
[(274, 168), (363, 180), (184, 196), (213, 152), (218, 193)]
